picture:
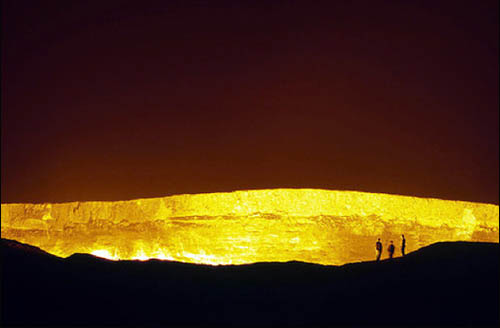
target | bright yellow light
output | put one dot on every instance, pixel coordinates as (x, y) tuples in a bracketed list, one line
[(311, 225), (104, 254)]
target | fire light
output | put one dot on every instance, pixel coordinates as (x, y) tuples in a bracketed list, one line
[(310, 225)]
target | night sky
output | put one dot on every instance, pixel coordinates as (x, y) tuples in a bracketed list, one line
[(114, 100)]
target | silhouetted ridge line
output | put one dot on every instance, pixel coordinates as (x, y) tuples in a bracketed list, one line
[(24, 248), (452, 283)]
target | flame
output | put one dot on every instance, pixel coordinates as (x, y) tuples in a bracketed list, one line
[(311, 225), (104, 253)]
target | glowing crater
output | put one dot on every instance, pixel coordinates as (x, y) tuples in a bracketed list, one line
[(311, 225)]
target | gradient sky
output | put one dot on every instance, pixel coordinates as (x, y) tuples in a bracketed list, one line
[(113, 100)]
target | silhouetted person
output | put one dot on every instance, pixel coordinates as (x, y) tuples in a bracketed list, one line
[(403, 245), (391, 250), (378, 248)]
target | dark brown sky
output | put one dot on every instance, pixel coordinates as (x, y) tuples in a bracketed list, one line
[(108, 100)]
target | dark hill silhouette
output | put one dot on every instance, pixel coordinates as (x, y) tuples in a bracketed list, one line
[(451, 283), (15, 247)]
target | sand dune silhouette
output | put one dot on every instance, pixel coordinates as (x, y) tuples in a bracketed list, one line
[(449, 283)]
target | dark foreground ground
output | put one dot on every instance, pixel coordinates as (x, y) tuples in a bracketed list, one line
[(443, 284)]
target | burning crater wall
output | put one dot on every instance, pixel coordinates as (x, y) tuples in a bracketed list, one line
[(320, 226)]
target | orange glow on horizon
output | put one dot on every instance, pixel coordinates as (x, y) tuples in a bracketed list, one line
[(310, 225)]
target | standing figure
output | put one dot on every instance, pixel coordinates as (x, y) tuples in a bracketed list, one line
[(391, 250), (378, 248), (403, 245)]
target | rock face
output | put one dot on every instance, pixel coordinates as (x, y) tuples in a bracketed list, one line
[(319, 226)]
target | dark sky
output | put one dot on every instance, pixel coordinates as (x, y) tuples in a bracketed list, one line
[(112, 100)]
